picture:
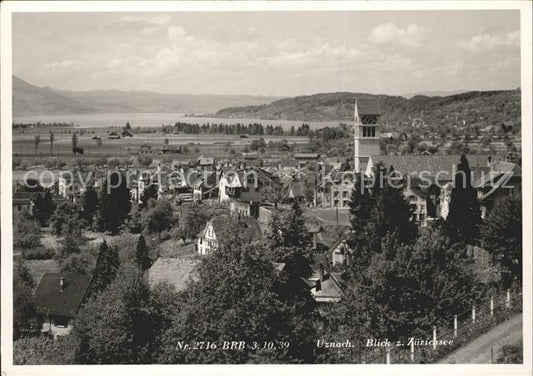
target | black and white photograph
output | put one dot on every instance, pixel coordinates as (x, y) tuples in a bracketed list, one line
[(264, 183)]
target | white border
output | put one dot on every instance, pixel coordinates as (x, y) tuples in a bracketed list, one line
[(9, 7)]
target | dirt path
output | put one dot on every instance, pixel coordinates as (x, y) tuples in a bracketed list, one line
[(478, 351)]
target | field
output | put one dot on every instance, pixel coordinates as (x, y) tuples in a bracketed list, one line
[(203, 144)]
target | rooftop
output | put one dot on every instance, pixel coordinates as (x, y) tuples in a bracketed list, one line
[(49, 299)]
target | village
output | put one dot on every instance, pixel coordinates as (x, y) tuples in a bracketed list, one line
[(169, 215)]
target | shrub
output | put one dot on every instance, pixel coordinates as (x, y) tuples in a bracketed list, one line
[(39, 253)]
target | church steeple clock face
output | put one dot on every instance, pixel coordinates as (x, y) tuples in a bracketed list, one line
[(369, 119)]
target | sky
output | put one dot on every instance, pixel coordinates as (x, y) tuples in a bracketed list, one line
[(270, 53)]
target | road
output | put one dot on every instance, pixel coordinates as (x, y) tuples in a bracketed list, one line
[(478, 351)]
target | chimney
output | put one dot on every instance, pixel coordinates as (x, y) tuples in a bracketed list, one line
[(61, 284), (321, 272)]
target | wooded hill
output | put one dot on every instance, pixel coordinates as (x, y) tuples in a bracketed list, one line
[(476, 107)]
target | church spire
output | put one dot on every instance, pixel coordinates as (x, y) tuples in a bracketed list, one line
[(356, 117)]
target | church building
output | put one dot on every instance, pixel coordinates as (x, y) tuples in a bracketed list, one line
[(366, 132)]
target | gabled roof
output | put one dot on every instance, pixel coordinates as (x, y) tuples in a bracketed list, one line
[(330, 290), (293, 189), (368, 107), (50, 300), (306, 156), (409, 164)]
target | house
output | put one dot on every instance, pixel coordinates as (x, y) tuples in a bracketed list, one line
[(58, 298), (242, 185), (340, 253), (207, 163), (244, 208), (71, 184), (326, 286), (113, 136), (418, 202), (23, 201), (209, 238), (205, 186), (293, 191), (126, 133), (336, 189)]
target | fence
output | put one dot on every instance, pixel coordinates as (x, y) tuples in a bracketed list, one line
[(460, 329)]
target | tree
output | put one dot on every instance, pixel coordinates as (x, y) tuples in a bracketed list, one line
[(52, 138), (422, 285), (64, 213), (26, 234), (44, 350), (501, 235), (114, 204), (120, 325), (128, 126), (37, 141), (291, 232), (43, 207), (135, 220), (89, 204), (158, 217), (73, 237), (141, 256), (391, 213), (464, 216), (192, 220), (74, 140), (219, 306), (149, 193), (106, 267), (23, 307)]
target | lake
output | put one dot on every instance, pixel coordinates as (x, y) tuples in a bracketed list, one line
[(154, 120)]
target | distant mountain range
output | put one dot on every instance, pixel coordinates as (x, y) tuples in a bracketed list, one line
[(476, 107), (29, 99), (435, 93)]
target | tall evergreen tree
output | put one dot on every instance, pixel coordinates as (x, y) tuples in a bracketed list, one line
[(501, 235), (120, 325), (141, 256), (89, 204), (149, 193), (106, 267), (43, 207), (114, 204), (391, 213), (464, 217)]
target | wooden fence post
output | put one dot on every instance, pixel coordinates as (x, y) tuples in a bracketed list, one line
[(454, 326), (473, 314), (434, 337), (491, 306), (508, 300), (412, 350)]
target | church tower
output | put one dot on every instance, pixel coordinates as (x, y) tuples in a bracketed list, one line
[(366, 132)]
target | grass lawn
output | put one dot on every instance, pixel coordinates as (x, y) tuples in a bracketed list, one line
[(329, 215), (38, 268), (176, 248)]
